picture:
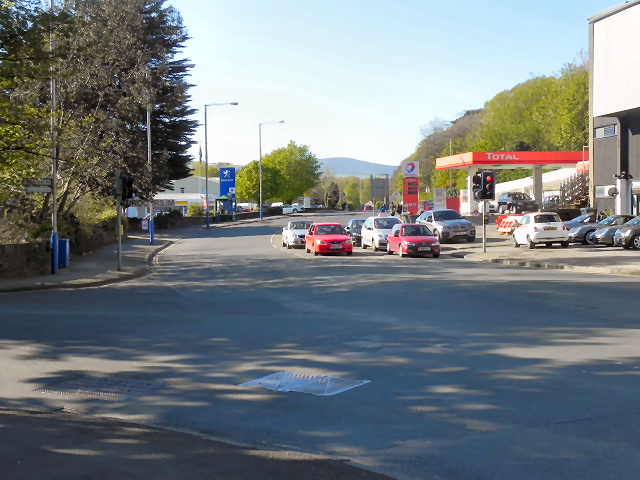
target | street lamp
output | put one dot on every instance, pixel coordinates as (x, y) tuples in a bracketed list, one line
[(260, 163), (206, 158)]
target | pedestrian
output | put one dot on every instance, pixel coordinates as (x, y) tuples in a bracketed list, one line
[(399, 209)]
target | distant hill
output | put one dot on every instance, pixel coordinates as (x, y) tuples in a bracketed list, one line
[(345, 167)]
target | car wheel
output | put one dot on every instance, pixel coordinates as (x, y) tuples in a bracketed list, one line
[(436, 255), (400, 254), (548, 244), (389, 252), (585, 240), (295, 210), (513, 209), (289, 246), (530, 244), (515, 242), (315, 254), (362, 244), (306, 248), (590, 239), (565, 244), (350, 253), (635, 242), (471, 238), (501, 209), (375, 247), (284, 244), (438, 236)]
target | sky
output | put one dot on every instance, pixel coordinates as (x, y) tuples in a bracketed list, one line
[(363, 78)]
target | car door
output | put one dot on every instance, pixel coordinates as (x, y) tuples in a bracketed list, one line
[(308, 238), (367, 232), (520, 233), (393, 241)]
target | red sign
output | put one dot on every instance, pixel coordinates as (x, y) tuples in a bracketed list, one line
[(410, 195)]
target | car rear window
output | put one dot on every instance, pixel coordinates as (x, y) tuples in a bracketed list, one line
[(546, 218), (388, 222)]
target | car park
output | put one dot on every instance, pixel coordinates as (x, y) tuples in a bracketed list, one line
[(447, 224), (354, 229), (582, 232), (628, 237), (375, 231), (604, 235), (581, 220), (327, 238), (540, 227), (412, 239), (288, 209), (516, 202), (294, 232)]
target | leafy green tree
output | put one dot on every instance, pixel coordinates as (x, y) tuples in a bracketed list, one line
[(199, 170), (570, 126), (248, 182), (298, 168)]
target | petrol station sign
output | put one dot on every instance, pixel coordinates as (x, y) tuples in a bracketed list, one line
[(410, 187)]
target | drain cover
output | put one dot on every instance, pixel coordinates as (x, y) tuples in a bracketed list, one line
[(296, 382), (101, 387)]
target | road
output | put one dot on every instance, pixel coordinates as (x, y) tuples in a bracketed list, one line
[(476, 371)]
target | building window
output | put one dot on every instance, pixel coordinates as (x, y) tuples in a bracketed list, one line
[(606, 132), (181, 189)]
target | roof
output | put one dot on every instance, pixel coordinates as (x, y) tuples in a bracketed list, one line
[(510, 159), (612, 11)]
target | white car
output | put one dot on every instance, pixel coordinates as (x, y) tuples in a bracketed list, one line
[(540, 227), (293, 234), (375, 231), (287, 209)]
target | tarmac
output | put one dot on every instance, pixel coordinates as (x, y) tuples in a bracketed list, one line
[(135, 451)]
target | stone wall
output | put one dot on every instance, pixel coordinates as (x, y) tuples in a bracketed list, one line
[(24, 260)]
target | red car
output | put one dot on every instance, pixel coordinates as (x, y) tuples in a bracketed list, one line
[(328, 238), (412, 239)]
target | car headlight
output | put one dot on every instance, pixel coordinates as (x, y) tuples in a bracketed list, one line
[(348, 242), (446, 227), (410, 244), (381, 236), (435, 244), (321, 242)]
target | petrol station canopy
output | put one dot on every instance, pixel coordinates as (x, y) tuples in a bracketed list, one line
[(511, 160)]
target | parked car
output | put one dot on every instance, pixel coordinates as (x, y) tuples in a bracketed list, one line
[(412, 239), (516, 202), (605, 235), (582, 233), (628, 237), (581, 220), (293, 234), (375, 231), (491, 207), (354, 229), (287, 209), (327, 238), (540, 227), (447, 225)]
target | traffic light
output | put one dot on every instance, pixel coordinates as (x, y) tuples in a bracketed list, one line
[(127, 186), (477, 186), (488, 183)]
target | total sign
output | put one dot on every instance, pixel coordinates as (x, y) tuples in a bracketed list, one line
[(410, 169), (228, 182)]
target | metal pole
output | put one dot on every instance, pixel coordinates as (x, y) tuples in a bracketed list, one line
[(484, 226), (150, 174), (206, 171), (119, 217), (260, 165), (54, 161)]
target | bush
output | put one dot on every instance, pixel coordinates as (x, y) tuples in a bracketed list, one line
[(195, 210)]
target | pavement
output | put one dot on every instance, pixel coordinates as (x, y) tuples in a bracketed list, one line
[(88, 447)]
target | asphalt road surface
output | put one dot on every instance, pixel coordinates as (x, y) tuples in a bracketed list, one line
[(476, 371)]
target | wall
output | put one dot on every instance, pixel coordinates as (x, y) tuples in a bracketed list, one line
[(24, 260)]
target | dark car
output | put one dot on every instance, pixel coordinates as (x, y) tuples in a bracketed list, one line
[(581, 220), (354, 229), (605, 234), (516, 202), (582, 232), (628, 236)]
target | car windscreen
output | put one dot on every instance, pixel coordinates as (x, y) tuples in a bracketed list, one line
[(547, 218), (357, 223), (385, 222), (300, 226), (446, 215), (415, 231), (633, 222), (330, 230)]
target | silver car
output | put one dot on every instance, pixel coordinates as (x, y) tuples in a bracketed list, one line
[(448, 225), (375, 231)]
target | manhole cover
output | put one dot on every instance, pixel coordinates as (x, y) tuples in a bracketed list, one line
[(296, 382), (102, 387)]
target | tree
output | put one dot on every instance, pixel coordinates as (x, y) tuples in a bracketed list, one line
[(248, 182), (298, 168)]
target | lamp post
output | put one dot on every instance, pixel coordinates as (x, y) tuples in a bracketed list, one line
[(206, 158), (260, 163)]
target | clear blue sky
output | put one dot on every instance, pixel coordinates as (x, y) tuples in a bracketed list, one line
[(362, 78)]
